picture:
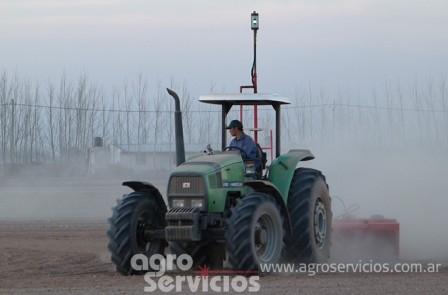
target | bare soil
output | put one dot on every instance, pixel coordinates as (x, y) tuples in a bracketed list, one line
[(71, 258)]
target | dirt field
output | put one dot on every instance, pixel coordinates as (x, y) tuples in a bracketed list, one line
[(53, 241), (71, 258)]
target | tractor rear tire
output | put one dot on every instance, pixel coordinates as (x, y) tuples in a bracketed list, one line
[(255, 232), (309, 206), (133, 214)]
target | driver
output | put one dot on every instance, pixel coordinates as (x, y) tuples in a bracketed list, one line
[(243, 141)]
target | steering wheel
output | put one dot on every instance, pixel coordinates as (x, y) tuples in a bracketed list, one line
[(242, 152)]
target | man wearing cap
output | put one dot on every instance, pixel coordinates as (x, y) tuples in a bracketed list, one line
[(243, 141)]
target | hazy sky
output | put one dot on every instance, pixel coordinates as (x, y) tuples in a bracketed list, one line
[(329, 42)]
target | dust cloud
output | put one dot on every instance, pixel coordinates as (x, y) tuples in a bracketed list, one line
[(407, 184)]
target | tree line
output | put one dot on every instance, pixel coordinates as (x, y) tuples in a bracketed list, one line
[(58, 121)]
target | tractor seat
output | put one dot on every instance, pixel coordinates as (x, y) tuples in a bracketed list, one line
[(262, 157)]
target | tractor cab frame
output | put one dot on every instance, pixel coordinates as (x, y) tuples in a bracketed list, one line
[(226, 101)]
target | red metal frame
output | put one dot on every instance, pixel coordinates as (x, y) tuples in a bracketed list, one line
[(385, 228), (270, 147)]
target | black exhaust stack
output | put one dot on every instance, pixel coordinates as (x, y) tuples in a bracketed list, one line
[(179, 131)]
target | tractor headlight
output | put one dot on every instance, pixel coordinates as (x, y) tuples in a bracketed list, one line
[(197, 203), (178, 203)]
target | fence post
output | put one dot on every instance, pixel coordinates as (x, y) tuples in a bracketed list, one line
[(12, 143), (4, 132)]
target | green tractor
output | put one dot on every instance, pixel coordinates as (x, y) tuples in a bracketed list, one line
[(220, 209), (221, 206)]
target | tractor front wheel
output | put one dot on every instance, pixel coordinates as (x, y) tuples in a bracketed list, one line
[(132, 217), (255, 232)]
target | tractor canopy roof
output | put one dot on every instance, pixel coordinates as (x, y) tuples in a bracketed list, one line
[(244, 99)]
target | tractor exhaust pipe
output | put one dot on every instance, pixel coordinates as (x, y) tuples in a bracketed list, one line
[(179, 131)]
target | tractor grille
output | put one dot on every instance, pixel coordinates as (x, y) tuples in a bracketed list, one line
[(186, 185)]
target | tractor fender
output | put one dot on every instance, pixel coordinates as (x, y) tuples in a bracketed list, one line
[(264, 186), (282, 169), (145, 187)]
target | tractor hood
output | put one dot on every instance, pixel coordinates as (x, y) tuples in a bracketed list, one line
[(206, 164)]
